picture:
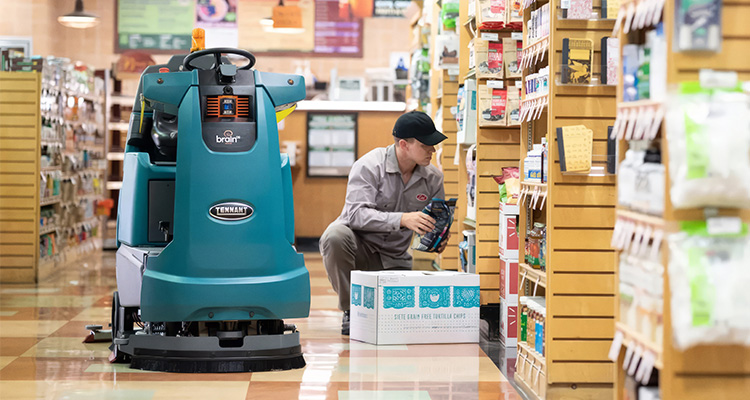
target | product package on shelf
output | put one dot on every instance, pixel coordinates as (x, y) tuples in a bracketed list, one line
[(467, 108), (577, 9), (577, 56), (698, 25), (512, 51), (402, 307), (514, 106), (442, 211), (471, 182), (446, 50), (610, 9), (509, 186), (491, 14), (708, 279), (640, 181), (489, 58), (492, 105), (508, 323), (508, 237), (708, 134), (642, 293), (509, 280), (610, 60), (575, 145), (515, 14), (468, 251)]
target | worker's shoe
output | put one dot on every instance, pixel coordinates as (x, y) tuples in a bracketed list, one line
[(345, 324)]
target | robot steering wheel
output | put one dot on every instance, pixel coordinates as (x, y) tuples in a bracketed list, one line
[(217, 52)]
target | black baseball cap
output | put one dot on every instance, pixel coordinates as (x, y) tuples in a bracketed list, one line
[(418, 125)]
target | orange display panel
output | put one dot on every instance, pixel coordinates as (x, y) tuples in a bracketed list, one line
[(228, 106)]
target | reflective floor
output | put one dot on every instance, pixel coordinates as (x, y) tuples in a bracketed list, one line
[(42, 354)]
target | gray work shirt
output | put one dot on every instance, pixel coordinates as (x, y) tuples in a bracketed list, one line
[(376, 196)]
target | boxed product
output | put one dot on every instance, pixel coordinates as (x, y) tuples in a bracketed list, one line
[(509, 280), (404, 307), (446, 50), (492, 105), (467, 134), (489, 58), (508, 238), (508, 324)]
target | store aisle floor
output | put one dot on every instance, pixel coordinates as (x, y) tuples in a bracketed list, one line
[(42, 354)]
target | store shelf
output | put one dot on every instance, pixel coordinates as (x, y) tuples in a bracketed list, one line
[(49, 201), (470, 223), (630, 335), (538, 358), (472, 74), (533, 275), (535, 51), (51, 169), (47, 229), (640, 217)]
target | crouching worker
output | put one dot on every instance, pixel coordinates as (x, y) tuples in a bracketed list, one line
[(387, 189)]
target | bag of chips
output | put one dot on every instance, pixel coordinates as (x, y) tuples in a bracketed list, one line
[(442, 211)]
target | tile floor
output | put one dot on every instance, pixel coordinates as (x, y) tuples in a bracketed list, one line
[(42, 355)]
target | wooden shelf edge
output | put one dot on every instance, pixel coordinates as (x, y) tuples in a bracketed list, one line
[(632, 335), (525, 387), (536, 356), (640, 217), (533, 275), (638, 103)]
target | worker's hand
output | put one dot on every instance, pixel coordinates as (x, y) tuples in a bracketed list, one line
[(444, 243), (418, 222)]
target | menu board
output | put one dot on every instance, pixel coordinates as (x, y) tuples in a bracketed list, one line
[(159, 26), (336, 34), (331, 144)]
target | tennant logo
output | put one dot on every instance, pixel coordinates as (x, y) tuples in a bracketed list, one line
[(231, 211), (228, 138)]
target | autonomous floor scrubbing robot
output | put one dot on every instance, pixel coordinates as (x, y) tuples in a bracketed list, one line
[(206, 267)]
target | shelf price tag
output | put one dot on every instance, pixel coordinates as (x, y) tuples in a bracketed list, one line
[(647, 366), (491, 36), (516, 36), (628, 355), (614, 350), (724, 225), (495, 84), (636, 358)]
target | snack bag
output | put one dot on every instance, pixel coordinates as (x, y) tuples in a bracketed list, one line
[(442, 211)]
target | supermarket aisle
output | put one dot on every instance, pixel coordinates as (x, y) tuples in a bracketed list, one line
[(42, 356)]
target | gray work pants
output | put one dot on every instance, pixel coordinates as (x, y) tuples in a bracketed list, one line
[(343, 252)]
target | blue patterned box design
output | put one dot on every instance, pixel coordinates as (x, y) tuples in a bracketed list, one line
[(398, 297), (466, 296), (356, 295), (434, 296), (369, 297)]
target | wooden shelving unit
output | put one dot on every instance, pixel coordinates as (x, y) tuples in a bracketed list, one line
[(701, 372), (20, 125), (579, 281)]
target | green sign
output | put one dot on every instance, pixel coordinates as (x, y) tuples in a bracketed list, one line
[(164, 25)]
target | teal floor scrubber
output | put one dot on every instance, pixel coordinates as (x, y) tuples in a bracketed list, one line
[(206, 267)]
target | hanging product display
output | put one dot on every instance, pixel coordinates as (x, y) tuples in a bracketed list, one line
[(512, 51), (492, 105), (491, 14), (708, 133), (467, 113), (708, 279)]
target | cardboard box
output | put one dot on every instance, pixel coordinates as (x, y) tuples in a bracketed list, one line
[(508, 324), (405, 307), (508, 239), (509, 280)]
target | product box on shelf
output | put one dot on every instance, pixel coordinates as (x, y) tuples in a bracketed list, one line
[(509, 280), (402, 307), (508, 238), (508, 324)]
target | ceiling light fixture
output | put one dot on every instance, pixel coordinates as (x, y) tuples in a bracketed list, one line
[(78, 18)]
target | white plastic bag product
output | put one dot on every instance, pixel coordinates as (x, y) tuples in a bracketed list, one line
[(709, 279), (708, 133), (627, 175)]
